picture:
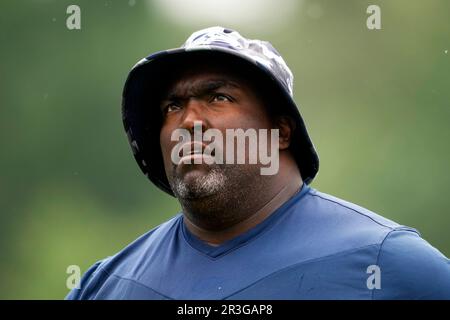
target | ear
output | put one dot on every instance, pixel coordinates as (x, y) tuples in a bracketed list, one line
[(286, 125)]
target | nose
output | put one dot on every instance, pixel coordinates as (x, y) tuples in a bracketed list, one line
[(194, 115)]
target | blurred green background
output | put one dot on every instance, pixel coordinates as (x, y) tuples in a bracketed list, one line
[(376, 103)]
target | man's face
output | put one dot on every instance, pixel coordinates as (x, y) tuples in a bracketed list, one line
[(221, 100)]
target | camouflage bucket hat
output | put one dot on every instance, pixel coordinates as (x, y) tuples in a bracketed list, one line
[(141, 113)]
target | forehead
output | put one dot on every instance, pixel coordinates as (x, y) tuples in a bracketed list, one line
[(195, 76)]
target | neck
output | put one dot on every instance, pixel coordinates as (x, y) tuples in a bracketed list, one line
[(239, 214)]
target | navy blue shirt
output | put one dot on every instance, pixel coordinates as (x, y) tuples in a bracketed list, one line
[(315, 246)]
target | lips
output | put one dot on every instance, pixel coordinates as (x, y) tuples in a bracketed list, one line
[(195, 150)]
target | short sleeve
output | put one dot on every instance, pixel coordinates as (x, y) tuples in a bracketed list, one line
[(411, 268)]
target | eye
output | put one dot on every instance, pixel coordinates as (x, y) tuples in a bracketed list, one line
[(171, 107), (219, 97)]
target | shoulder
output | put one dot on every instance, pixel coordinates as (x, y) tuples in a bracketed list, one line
[(410, 268), (88, 282), (327, 202), (338, 225), (124, 263)]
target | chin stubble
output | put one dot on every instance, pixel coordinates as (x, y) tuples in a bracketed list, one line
[(209, 184)]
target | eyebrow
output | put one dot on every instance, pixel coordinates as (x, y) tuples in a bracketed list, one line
[(201, 89)]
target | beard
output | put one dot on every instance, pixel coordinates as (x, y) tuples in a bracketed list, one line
[(216, 195), (206, 185)]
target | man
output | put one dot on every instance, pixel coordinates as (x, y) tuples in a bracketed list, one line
[(244, 232)]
